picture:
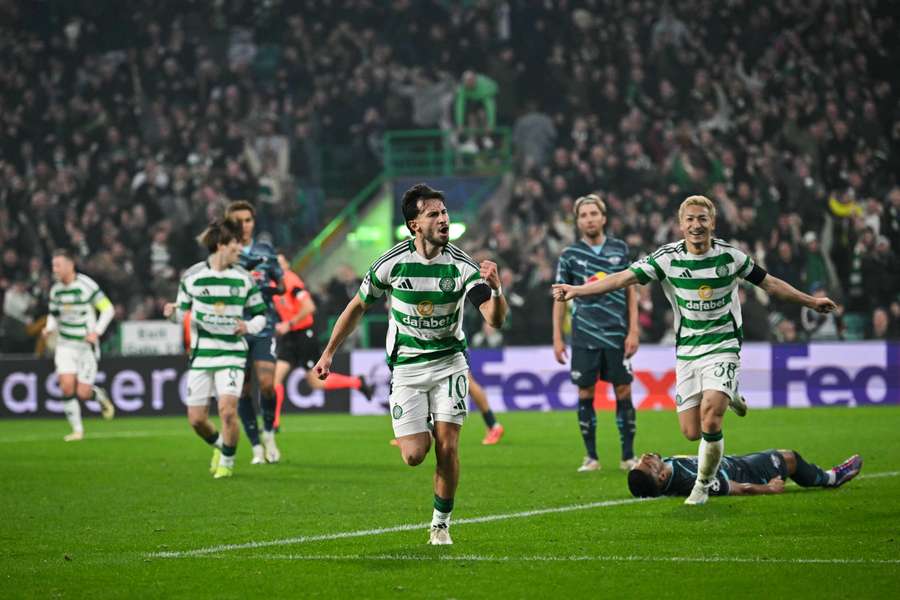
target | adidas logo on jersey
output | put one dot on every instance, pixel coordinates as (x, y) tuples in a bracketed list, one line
[(406, 284), (686, 273)]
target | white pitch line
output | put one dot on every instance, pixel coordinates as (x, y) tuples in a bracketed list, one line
[(882, 474), (95, 436), (144, 434), (576, 558), (305, 539)]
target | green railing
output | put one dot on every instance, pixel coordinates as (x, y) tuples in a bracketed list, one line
[(440, 152), (347, 218)]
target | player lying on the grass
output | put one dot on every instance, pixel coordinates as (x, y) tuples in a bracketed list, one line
[(429, 280), (744, 475), (216, 291), (699, 275), (75, 301)]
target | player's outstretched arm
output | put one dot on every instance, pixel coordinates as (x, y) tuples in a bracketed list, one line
[(495, 308), (774, 486), (785, 291), (344, 326), (563, 291)]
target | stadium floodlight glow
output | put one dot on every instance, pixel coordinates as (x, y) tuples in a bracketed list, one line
[(456, 231)]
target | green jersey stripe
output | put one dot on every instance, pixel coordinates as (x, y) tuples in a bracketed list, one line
[(420, 358), (229, 300), (71, 292), (742, 271), (436, 344), (660, 274), (642, 277), (402, 269), (695, 283), (735, 350), (703, 263), (472, 278), (229, 281), (377, 282), (708, 339), (257, 309), (366, 298), (415, 297), (209, 353), (706, 323), (69, 336), (222, 337)]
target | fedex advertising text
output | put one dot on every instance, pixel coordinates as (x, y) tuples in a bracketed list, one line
[(806, 375)]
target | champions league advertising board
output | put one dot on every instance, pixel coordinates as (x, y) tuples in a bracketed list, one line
[(515, 378)]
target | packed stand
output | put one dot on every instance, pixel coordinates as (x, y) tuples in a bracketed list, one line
[(128, 125), (785, 114)]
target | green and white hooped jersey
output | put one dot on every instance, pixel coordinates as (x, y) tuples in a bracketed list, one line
[(217, 300), (425, 339), (702, 290), (75, 307)]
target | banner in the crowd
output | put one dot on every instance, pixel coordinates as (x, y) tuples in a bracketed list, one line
[(142, 386), (796, 376), (151, 338)]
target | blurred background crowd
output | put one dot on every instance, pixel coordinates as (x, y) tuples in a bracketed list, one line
[(124, 127)]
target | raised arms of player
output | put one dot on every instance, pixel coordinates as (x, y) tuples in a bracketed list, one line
[(563, 291), (785, 291), (493, 309), (633, 337), (343, 327)]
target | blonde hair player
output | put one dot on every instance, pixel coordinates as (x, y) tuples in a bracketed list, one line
[(699, 275)]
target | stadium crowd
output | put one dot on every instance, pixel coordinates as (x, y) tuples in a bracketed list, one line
[(126, 126)]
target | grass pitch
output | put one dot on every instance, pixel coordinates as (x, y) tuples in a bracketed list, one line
[(132, 512)]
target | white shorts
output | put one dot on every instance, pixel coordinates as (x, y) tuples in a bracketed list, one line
[(715, 372), (444, 400), (203, 385), (80, 361)]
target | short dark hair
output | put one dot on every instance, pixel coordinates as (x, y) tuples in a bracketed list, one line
[(220, 231), (240, 205), (66, 252), (642, 485), (411, 198)]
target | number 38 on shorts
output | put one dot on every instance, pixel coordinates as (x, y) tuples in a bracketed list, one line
[(710, 373)]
